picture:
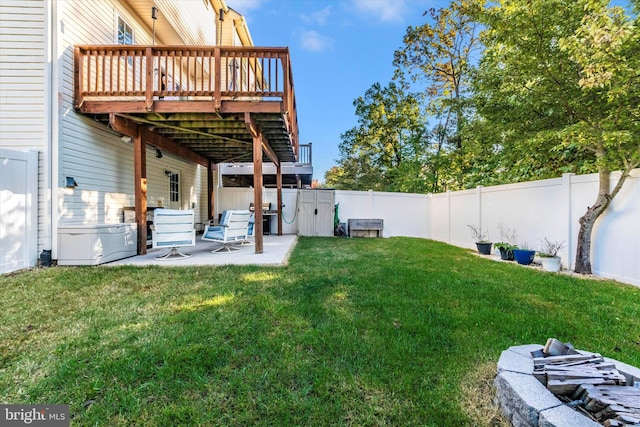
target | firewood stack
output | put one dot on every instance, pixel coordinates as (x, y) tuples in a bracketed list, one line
[(588, 383)]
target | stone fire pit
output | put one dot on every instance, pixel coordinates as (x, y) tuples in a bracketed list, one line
[(526, 402)]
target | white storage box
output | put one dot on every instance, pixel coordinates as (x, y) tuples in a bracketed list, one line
[(92, 244)]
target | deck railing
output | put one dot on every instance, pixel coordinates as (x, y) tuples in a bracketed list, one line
[(304, 154), (184, 73)]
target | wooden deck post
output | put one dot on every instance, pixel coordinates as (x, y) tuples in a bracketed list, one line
[(279, 196), (257, 193), (210, 191), (149, 80), (140, 188), (78, 67), (217, 78)]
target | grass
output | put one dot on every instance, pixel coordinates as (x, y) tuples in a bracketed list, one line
[(363, 332)]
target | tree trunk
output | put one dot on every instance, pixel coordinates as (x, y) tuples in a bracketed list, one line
[(583, 251), (587, 221)]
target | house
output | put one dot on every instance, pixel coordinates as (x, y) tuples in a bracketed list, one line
[(112, 108)]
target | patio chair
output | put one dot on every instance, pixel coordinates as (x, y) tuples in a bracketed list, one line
[(250, 230), (173, 229), (235, 231), (224, 219)]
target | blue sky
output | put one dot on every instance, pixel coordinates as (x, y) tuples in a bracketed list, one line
[(338, 50)]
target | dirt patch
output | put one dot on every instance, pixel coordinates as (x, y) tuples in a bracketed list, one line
[(479, 398)]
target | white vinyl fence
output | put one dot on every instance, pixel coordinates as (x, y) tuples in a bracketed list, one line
[(18, 209), (534, 210), (548, 209)]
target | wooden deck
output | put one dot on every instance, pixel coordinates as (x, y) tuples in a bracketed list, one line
[(207, 104), (195, 96)]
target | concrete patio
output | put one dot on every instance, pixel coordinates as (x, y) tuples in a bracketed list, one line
[(275, 253)]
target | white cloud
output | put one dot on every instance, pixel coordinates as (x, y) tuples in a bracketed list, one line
[(314, 41), (319, 17), (382, 10)]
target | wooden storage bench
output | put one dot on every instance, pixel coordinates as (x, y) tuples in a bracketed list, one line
[(365, 227)]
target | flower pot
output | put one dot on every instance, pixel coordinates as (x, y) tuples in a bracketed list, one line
[(523, 256), (552, 264), (506, 254), (484, 248)]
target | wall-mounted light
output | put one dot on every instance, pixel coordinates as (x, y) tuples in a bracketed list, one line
[(167, 172), (126, 139), (158, 153), (71, 182), (154, 16)]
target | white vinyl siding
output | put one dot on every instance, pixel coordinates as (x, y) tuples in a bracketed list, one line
[(195, 23), (94, 155), (23, 74), (25, 100)]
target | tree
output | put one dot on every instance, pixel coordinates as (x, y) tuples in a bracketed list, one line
[(384, 151), (439, 54), (563, 77), (606, 48)]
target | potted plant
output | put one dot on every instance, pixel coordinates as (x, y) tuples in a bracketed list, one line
[(548, 254), (506, 245), (482, 240), (523, 255), (506, 250)]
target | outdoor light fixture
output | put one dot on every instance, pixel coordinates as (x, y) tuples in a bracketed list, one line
[(154, 16), (158, 153), (126, 139), (219, 33), (167, 172), (71, 182)]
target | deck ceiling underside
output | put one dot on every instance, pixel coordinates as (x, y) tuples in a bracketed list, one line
[(220, 137), (269, 181)]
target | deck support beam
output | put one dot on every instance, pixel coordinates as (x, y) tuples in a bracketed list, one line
[(129, 125), (258, 146), (131, 129), (257, 193), (279, 196), (140, 189), (210, 191), (254, 129)]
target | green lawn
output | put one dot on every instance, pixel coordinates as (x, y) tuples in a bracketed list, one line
[(356, 332)]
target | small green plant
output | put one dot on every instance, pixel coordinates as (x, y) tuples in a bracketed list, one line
[(506, 250), (549, 249), (478, 235), (505, 246)]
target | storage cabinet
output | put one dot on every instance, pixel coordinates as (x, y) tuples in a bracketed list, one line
[(129, 216), (316, 209), (92, 244)]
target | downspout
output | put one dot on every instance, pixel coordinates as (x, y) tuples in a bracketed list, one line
[(51, 215)]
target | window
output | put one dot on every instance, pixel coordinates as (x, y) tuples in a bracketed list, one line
[(125, 32), (125, 36), (174, 187)]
